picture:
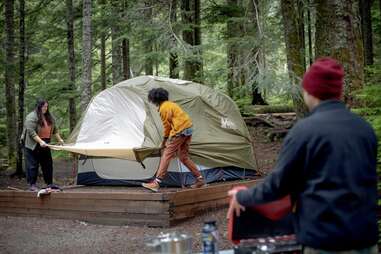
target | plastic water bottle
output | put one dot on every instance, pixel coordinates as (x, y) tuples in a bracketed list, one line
[(210, 237)]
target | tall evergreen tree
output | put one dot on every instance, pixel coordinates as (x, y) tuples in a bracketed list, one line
[(234, 32), (254, 53), (148, 44), (173, 57), (367, 35), (126, 45), (19, 160), (309, 31), (293, 24), (190, 15), (10, 73), (126, 58), (71, 63), (338, 35), (117, 65), (86, 91), (198, 65), (103, 39)]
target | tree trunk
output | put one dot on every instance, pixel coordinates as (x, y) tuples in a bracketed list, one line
[(117, 68), (19, 161), (10, 73), (186, 17), (254, 53), (190, 12), (295, 50), (338, 35), (233, 34), (366, 24), (197, 42), (148, 45), (86, 92), (310, 56), (103, 61), (71, 63), (103, 38), (126, 58), (173, 58)]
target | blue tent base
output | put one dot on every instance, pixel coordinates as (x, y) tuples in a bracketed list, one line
[(172, 179)]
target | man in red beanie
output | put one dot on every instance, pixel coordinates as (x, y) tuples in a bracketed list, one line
[(328, 165)]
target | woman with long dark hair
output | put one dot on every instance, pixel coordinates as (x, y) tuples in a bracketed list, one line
[(38, 128)]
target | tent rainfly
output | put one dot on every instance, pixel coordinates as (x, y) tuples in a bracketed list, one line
[(119, 135)]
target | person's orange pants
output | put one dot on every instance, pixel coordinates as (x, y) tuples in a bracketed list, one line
[(177, 145)]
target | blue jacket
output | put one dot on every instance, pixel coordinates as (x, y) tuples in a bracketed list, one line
[(328, 165)]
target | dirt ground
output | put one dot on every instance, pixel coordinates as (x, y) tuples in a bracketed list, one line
[(44, 235)]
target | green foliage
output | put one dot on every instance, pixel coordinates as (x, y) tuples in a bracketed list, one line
[(221, 13), (3, 132), (371, 98)]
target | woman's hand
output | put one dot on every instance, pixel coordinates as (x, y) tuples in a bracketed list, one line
[(43, 144)]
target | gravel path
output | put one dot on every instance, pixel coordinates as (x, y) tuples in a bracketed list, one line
[(41, 235)]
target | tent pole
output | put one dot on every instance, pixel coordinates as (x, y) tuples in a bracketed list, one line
[(255, 158), (181, 173)]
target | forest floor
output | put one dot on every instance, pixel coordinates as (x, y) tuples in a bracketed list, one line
[(44, 235)]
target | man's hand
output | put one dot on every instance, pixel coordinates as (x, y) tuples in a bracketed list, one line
[(235, 207)]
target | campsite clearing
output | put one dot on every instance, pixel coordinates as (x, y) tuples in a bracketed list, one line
[(43, 235)]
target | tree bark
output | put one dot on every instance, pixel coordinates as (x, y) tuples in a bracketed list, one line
[(295, 50), (190, 15), (103, 61), (148, 45), (86, 92), (19, 161), (366, 24), (197, 42), (117, 64), (126, 58), (186, 17), (71, 63), (103, 38), (10, 73), (338, 35), (254, 53), (173, 58), (310, 56), (233, 34)]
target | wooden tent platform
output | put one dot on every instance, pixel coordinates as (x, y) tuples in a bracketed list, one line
[(119, 205)]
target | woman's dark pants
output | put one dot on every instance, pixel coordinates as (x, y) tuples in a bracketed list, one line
[(39, 156)]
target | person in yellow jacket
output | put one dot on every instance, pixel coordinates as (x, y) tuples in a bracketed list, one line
[(177, 137)]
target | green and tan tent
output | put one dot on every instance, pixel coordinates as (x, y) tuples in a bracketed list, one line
[(120, 133)]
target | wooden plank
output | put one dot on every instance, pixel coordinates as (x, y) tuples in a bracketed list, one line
[(120, 206), (191, 210), (159, 220), (189, 196), (210, 195), (91, 195), (149, 207)]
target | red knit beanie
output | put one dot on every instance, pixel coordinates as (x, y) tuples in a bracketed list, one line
[(324, 79)]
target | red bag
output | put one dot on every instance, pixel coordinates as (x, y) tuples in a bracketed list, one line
[(274, 211)]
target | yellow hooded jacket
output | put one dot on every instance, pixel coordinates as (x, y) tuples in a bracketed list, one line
[(174, 119)]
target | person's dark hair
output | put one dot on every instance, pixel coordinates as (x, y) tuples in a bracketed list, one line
[(157, 95), (48, 117)]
